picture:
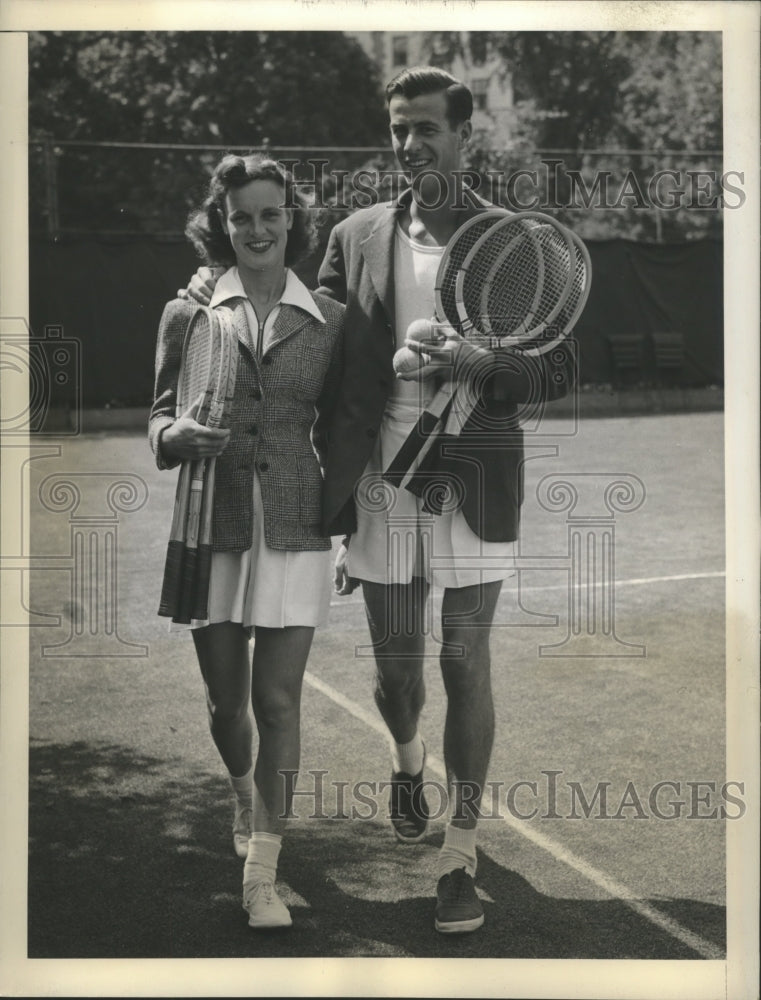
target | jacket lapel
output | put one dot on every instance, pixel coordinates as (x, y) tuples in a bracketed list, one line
[(378, 245), (289, 321), (378, 251), (240, 326)]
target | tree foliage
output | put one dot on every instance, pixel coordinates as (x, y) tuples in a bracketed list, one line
[(656, 95), (221, 88), (593, 95)]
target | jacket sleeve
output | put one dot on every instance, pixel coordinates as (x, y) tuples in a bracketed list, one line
[(174, 322), (331, 277), (511, 376)]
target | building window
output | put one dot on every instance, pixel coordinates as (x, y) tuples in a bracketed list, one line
[(479, 90), (399, 50)]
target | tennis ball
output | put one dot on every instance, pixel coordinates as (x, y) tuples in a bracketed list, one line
[(406, 360), (423, 330)]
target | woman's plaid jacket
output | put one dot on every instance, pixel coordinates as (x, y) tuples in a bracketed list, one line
[(280, 413)]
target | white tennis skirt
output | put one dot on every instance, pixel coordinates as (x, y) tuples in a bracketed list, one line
[(271, 588), (395, 540)]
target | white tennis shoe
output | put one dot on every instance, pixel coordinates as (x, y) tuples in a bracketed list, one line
[(264, 907)]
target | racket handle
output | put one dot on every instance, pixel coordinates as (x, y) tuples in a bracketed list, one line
[(170, 588), (180, 513), (463, 406), (420, 433), (184, 610), (200, 610)]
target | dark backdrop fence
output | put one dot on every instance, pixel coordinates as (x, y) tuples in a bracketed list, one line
[(654, 316)]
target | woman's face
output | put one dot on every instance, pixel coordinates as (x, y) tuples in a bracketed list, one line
[(258, 224)]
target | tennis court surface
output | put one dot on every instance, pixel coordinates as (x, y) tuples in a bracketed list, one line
[(604, 838)]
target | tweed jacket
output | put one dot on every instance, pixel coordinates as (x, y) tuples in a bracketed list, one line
[(485, 463), (279, 411)]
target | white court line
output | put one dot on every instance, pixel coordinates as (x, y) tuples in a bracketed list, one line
[(706, 949), (632, 582)]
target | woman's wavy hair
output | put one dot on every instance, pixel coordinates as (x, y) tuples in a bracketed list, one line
[(204, 228)]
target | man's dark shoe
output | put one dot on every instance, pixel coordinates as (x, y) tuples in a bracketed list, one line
[(408, 808), (458, 908)]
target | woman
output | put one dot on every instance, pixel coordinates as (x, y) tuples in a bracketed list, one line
[(271, 566)]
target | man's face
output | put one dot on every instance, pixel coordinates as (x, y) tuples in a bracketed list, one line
[(422, 137)]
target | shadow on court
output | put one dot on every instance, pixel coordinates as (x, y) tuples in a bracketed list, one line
[(129, 858)]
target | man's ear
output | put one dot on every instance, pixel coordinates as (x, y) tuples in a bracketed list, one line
[(288, 218), (466, 131)]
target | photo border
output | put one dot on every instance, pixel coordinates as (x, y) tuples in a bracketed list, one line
[(735, 978)]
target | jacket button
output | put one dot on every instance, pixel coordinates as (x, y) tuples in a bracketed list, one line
[(371, 432), (256, 394), (253, 429), (263, 466), (267, 361)]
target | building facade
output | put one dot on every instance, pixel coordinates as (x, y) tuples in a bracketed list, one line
[(483, 71)]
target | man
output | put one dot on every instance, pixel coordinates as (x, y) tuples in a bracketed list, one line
[(381, 262)]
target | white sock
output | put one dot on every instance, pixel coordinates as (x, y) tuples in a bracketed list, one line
[(243, 787), (263, 853), (457, 851), (408, 757)]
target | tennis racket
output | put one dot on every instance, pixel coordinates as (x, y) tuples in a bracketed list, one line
[(207, 377), (521, 284)]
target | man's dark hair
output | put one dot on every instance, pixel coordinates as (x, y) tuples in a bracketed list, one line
[(418, 80)]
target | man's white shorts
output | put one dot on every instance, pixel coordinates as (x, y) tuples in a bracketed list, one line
[(395, 540)]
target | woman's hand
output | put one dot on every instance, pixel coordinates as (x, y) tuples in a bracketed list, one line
[(202, 284), (343, 583), (186, 438)]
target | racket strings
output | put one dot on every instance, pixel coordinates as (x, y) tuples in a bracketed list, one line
[(197, 369), (457, 250), (221, 401), (500, 283), (516, 279), (508, 296), (559, 264), (577, 296)]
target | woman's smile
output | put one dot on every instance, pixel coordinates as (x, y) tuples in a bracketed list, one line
[(257, 223)]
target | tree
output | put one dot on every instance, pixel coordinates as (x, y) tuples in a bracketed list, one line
[(590, 94), (245, 89)]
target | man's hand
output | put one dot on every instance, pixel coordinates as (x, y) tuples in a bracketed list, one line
[(343, 583), (186, 438), (202, 285), (453, 358)]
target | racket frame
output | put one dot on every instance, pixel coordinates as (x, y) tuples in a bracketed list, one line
[(528, 226), (185, 588), (220, 404), (172, 586)]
